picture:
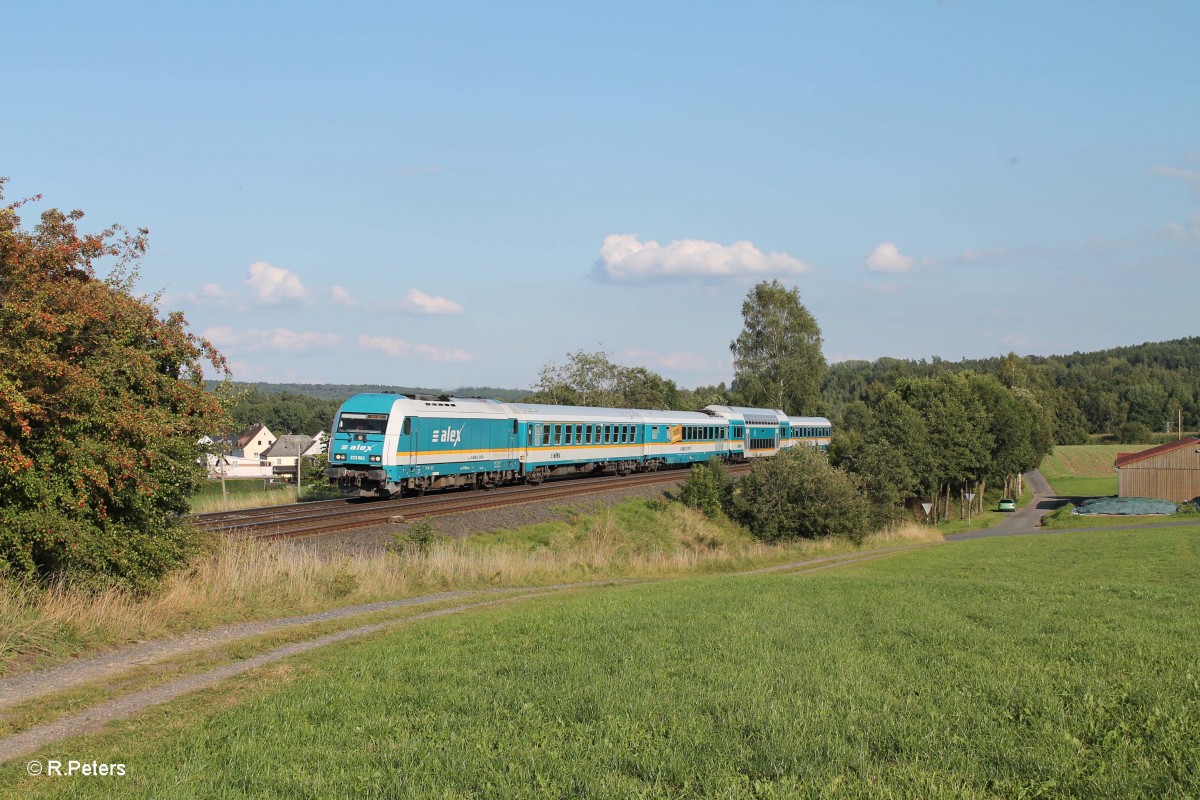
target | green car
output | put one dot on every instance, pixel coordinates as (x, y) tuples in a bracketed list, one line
[(1007, 504)]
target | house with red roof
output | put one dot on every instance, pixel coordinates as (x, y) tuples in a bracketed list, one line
[(1168, 472)]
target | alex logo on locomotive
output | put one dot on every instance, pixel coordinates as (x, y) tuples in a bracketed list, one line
[(448, 435)]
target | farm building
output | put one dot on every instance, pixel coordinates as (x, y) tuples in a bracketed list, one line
[(1167, 472)]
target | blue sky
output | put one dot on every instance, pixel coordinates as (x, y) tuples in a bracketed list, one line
[(455, 193)]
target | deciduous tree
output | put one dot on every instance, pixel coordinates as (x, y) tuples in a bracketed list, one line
[(102, 402), (777, 360)]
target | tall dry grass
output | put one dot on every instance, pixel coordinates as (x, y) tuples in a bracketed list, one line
[(239, 579), (241, 501)]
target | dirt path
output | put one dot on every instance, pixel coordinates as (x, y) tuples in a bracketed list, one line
[(31, 686)]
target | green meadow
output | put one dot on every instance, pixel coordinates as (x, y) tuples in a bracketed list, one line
[(1085, 470), (1063, 665)]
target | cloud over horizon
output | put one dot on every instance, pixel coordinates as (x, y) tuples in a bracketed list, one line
[(417, 302), (681, 361), (272, 285), (279, 339), (625, 258), (401, 348), (888, 258)]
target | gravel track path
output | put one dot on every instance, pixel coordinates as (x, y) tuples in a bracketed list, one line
[(94, 719)]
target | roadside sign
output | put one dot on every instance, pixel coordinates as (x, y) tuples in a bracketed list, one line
[(928, 507), (970, 496)]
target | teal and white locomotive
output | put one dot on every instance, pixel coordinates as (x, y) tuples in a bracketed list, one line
[(388, 445)]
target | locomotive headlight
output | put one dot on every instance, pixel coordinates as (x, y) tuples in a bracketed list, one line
[(376, 459), (339, 456)]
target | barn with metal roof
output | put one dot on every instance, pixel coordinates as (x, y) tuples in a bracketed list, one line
[(1168, 472)]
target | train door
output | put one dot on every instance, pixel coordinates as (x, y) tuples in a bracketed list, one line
[(410, 438), (514, 428)]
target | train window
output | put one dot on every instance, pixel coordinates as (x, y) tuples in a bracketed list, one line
[(578, 434), (568, 439), (624, 434), (545, 433), (558, 434), (587, 434), (516, 430), (407, 429), (530, 436)]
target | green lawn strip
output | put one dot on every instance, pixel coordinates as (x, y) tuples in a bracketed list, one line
[(1063, 518), (1011, 667), (46, 708)]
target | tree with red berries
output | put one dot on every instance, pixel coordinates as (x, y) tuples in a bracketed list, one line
[(102, 401)]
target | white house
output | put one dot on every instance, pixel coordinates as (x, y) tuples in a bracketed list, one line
[(285, 451), (253, 442)]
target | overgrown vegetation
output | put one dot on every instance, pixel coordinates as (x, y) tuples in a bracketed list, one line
[(101, 404)]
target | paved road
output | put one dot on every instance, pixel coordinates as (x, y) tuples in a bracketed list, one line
[(1026, 520)]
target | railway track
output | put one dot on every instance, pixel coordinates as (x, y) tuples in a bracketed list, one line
[(309, 519)]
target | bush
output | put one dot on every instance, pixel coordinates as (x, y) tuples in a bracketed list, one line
[(707, 488), (1058, 516), (1134, 433), (417, 537), (798, 494)]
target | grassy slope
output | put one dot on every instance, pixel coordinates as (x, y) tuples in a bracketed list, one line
[(1085, 470), (1032, 666)]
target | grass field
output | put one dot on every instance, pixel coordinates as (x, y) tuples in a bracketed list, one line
[(240, 580), (242, 493), (1044, 666), (1085, 470)]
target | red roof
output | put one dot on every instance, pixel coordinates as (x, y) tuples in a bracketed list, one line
[(1124, 459)]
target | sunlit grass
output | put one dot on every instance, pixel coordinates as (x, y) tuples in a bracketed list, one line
[(1060, 666), (240, 579)]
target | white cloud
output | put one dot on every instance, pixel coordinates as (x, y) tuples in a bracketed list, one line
[(280, 339), (682, 361), (340, 297), (417, 302), (887, 258), (272, 285), (1187, 232), (1192, 176), (400, 348), (625, 258)]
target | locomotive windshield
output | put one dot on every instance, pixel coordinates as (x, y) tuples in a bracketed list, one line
[(362, 423)]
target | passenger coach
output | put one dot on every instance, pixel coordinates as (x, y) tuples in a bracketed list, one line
[(386, 445)]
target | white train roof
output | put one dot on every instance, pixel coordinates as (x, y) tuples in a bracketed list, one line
[(447, 406), (752, 416), (809, 422), (534, 412)]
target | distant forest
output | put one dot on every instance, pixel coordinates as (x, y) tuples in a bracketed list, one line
[(1101, 392)]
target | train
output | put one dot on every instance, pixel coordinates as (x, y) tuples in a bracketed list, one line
[(395, 445)]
